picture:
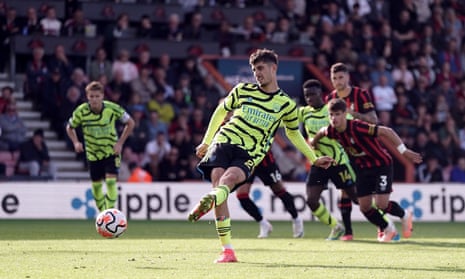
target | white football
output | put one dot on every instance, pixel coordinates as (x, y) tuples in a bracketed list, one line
[(111, 223)]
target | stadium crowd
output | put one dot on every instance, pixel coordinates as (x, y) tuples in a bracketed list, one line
[(410, 54)]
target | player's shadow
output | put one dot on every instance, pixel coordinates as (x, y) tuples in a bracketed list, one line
[(460, 245)]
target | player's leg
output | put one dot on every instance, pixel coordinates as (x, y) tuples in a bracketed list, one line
[(369, 181), (97, 175), (232, 176), (243, 195), (288, 201), (112, 165), (320, 211), (316, 183), (343, 176)]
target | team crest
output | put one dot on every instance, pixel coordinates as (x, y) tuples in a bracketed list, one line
[(276, 107)]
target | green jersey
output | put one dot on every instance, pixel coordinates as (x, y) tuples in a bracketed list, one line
[(255, 117), (99, 129), (314, 120)]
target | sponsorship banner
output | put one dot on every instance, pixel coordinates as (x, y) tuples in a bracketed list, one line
[(289, 74), (173, 201)]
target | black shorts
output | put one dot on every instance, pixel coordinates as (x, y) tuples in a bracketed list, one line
[(98, 169), (267, 171), (377, 180), (343, 176), (224, 155)]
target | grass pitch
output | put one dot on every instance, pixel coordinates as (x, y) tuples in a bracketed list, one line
[(176, 249)]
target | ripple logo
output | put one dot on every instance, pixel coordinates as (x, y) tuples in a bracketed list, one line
[(78, 203), (405, 203)]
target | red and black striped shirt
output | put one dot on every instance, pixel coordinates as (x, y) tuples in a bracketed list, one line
[(359, 100), (361, 143)]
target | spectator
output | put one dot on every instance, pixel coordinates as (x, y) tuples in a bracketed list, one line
[(170, 167), (248, 30), (450, 54), (115, 31), (6, 97), (457, 173), (284, 32), (36, 75), (171, 72), (381, 68), (401, 73), (144, 85), (145, 29), (34, 158), (60, 61), (194, 30), (126, 66), (156, 126), (140, 135), (100, 65), (51, 26), (162, 83), (173, 31), (404, 117), (52, 97), (144, 59), (404, 29), (383, 95), (422, 69), (155, 151), (164, 108), (9, 27), (71, 101), (429, 171), (13, 130), (32, 25), (77, 24), (119, 90), (138, 174)]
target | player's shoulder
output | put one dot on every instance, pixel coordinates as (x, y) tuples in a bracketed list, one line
[(111, 105), (82, 107)]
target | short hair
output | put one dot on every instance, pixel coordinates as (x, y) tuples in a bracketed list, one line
[(312, 83), (339, 67), (337, 105), (94, 86), (263, 55)]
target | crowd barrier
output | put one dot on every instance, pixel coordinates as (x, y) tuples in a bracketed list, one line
[(173, 201)]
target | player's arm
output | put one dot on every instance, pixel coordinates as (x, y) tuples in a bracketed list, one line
[(320, 134), (71, 131), (369, 116), (298, 141), (215, 122), (389, 134), (127, 130)]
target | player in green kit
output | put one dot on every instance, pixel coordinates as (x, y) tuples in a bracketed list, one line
[(314, 117), (103, 147), (231, 151)]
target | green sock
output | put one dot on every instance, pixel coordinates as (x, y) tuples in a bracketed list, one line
[(112, 192), (98, 195), (221, 193), (223, 228), (324, 216)]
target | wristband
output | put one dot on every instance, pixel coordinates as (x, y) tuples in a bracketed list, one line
[(401, 148)]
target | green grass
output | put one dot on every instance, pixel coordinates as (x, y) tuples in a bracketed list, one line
[(171, 249)]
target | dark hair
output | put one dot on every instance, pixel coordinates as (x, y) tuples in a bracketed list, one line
[(337, 105), (312, 83), (339, 67), (263, 55)]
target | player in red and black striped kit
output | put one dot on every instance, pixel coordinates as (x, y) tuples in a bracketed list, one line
[(373, 166), (359, 106)]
